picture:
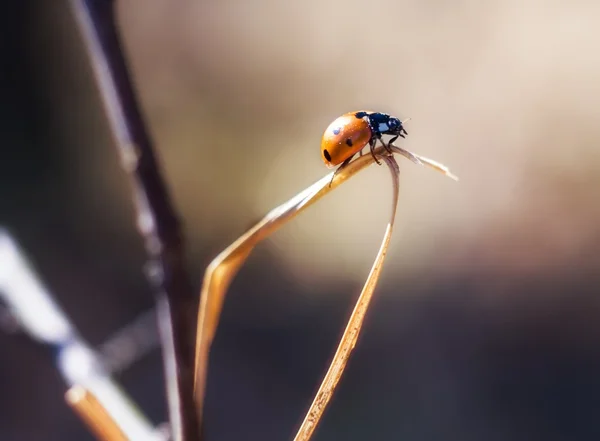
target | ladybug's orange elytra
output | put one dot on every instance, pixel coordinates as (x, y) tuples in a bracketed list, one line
[(344, 137)]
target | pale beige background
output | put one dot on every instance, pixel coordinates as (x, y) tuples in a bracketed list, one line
[(237, 95)]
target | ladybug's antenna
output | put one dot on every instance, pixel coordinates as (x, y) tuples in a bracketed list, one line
[(403, 129)]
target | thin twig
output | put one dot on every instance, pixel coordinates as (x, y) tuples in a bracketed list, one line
[(157, 220)]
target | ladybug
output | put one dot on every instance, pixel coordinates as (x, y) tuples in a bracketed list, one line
[(351, 132)]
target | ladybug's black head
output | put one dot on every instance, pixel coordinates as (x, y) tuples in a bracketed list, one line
[(395, 127), (384, 124)]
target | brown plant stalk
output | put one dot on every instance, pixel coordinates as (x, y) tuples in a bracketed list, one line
[(91, 411), (157, 219)]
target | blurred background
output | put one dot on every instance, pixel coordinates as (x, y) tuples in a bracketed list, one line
[(484, 324)]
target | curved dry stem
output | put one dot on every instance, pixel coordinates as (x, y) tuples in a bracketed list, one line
[(350, 336), (225, 266)]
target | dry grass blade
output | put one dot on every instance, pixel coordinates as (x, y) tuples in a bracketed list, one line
[(350, 336), (225, 266), (89, 409), (421, 160)]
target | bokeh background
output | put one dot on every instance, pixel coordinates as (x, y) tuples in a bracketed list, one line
[(484, 325)]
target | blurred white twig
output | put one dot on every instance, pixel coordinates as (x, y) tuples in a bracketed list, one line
[(130, 343), (42, 319)]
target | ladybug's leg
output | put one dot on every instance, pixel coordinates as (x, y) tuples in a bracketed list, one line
[(399, 134), (387, 147), (339, 168), (372, 145)]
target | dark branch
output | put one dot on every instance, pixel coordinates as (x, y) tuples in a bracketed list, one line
[(157, 220)]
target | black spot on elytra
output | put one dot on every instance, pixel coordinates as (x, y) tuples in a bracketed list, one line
[(327, 155), (349, 142), (360, 115), (337, 131)]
